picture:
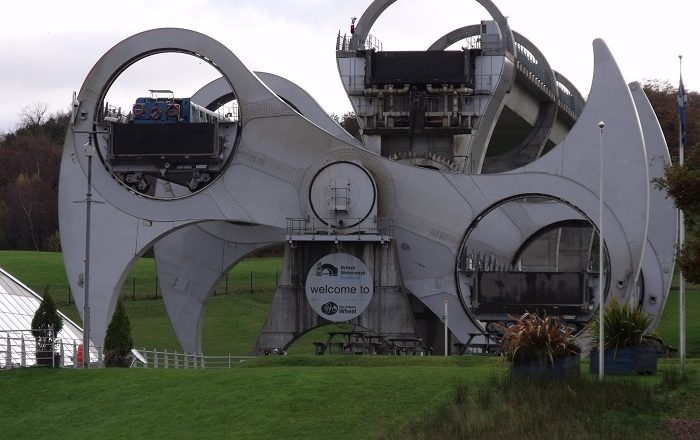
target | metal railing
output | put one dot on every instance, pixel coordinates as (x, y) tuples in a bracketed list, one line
[(338, 226), (165, 359), (534, 70), (572, 103), (531, 68), (345, 43), (477, 261), (18, 348)]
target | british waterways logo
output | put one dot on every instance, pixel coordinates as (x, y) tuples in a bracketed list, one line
[(326, 269)]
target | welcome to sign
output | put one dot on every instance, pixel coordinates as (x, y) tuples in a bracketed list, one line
[(339, 287)]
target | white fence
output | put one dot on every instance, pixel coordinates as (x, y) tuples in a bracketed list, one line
[(18, 348), (163, 359)]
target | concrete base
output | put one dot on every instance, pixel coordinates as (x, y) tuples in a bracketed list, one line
[(388, 313)]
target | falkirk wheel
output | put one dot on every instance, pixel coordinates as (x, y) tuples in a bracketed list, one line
[(474, 187)]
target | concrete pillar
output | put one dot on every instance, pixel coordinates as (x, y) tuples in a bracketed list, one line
[(388, 313)]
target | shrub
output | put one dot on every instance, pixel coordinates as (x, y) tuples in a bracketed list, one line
[(538, 338), (625, 326), (46, 323), (118, 341)]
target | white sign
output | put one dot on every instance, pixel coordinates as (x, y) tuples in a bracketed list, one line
[(339, 287)]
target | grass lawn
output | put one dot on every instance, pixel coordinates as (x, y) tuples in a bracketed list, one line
[(276, 398), (668, 326), (320, 397), (339, 397)]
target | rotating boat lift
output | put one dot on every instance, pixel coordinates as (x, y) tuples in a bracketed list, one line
[(283, 142)]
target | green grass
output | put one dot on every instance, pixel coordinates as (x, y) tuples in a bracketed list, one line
[(580, 408), (669, 325), (45, 270), (339, 397), (282, 397), (37, 270), (304, 396)]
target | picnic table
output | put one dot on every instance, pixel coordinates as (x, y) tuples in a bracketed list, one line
[(350, 342), (487, 345), (407, 346)]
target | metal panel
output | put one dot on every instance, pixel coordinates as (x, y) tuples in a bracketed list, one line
[(184, 142), (419, 67), (507, 290)]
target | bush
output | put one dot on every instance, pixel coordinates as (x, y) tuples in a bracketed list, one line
[(538, 338), (118, 341), (625, 326), (46, 323)]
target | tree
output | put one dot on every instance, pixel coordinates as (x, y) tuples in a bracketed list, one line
[(682, 183), (118, 341), (45, 326), (664, 99), (349, 123), (31, 115), (30, 158)]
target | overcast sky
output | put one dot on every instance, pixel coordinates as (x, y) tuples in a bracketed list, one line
[(47, 47)]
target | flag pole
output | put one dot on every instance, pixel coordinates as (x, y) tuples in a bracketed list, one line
[(681, 221)]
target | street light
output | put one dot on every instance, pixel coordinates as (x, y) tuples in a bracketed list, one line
[(601, 269), (446, 331)]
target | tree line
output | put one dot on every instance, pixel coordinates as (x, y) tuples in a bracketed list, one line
[(29, 167), (30, 158)]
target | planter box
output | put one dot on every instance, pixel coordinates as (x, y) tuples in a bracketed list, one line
[(568, 366), (637, 359), (44, 358)]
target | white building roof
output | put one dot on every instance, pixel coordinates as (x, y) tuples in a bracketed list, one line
[(18, 303)]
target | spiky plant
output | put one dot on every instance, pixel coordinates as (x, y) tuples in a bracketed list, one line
[(538, 338), (625, 326)]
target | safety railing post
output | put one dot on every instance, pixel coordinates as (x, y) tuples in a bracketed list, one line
[(8, 353), (165, 359), (186, 361), (61, 362), (75, 355), (53, 347), (155, 358), (177, 360), (23, 348)]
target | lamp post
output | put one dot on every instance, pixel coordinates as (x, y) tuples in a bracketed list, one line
[(601, 268), (446, 332)]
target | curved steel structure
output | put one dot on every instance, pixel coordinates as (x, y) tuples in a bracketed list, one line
[(281, 145)]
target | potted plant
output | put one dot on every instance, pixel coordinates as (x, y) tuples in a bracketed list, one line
[(541, 345), (630, 348), (46, 324)]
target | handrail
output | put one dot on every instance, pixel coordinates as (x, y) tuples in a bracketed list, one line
[(338, 226), (166, 359), (18, 348), (371, 43)]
